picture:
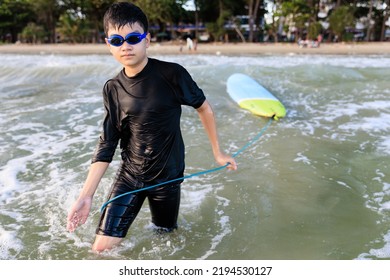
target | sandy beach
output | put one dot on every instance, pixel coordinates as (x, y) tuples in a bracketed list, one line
[(377, 48)]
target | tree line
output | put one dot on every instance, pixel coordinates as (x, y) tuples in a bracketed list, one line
[(80, 21)]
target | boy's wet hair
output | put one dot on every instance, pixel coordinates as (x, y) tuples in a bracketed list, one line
[(121, 14)]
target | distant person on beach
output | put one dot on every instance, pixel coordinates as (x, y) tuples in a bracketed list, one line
[(142, 112), (319, 39), (190, 44)]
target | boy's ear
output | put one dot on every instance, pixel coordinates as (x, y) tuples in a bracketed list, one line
[(105, 40), (148, 39), (108, 45)]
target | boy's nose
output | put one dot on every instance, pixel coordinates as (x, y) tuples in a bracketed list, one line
[(127, 45)]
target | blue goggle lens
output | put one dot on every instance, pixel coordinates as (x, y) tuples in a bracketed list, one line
[(132, 39)]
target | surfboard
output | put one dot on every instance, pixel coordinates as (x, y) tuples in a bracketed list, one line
[(252, 96)]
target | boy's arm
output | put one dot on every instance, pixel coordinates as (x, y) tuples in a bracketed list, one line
[(206, 115), (80, 209)]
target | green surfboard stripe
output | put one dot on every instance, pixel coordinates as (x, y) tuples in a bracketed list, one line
[(265, 107)]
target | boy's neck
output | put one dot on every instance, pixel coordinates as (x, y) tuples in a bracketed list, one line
[(132, 71)]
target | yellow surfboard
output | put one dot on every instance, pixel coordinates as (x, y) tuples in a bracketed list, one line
[(252, 96)]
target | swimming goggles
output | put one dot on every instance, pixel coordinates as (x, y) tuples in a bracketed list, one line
[(131, 38)]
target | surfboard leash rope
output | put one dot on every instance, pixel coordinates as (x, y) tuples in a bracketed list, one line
[(196, 174)]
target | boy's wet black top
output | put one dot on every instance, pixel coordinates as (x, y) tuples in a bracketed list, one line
[(143, 112)]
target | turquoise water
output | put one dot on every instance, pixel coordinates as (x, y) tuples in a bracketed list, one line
[(315, 186)]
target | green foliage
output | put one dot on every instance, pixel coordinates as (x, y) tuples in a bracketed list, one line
[(341, 19), (47, 13), (73, 28), (81, 20), (296, 8), (14, 16), (161, 11), (216, 29), (33, 33), (314, 30)]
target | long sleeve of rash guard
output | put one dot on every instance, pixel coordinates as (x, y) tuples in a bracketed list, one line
[(110, 134)]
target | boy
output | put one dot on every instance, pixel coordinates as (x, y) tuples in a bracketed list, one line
[(142, 112)]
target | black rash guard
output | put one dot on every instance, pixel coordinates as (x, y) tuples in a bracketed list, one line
[(143, 112)]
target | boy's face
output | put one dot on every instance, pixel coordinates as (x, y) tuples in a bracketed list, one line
[(132, 57)]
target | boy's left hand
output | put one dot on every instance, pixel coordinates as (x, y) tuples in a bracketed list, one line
[(223, 159)]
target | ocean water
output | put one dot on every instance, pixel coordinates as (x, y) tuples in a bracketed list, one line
[(316, 185)]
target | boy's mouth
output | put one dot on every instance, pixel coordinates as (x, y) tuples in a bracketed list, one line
[(128, 55)]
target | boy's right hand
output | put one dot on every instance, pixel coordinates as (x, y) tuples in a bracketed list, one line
[(78, 213)]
